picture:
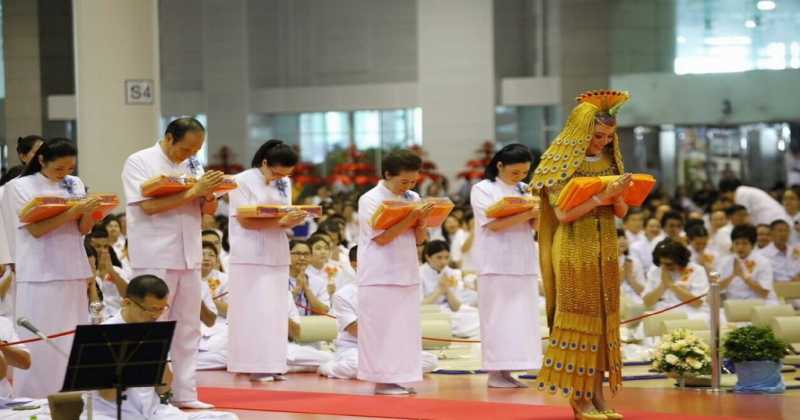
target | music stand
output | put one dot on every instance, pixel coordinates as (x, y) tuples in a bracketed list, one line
[(118, 356)]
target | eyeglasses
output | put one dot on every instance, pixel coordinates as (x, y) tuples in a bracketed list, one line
[(301, 254), (157, 311)]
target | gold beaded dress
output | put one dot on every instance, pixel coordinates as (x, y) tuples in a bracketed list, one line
[(578, 260)]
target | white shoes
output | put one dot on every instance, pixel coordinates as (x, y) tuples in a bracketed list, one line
[(393, 389), (267, 377), (193, 405)]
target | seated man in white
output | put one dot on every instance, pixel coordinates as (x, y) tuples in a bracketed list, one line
[(112, 279), (441, 285), (746, 274), (632, 280), (702, 254), (642, 250), (674, 279), (299, 357), (345, 308), (213, 348), (783, 256), (309, 289), (145, 301)]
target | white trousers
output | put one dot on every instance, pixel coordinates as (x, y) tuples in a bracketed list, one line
[(54, 307), (302, 358), (389, 334), (466, 321), (345, 364), (509, 313), (184, 307), (257, 318)]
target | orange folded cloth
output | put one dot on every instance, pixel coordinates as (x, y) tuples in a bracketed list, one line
[(392, 212), (510, 206), (269, 211), (45, 207), (164, 185), (580, 189)]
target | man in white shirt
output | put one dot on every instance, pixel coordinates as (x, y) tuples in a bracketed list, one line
[(762, 207), (164, 237), (763, 236), (642, 251), (634, 226), (746, 274), (720, 233), (145, 301), (784, 258)]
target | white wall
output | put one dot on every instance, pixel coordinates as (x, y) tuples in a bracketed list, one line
[(342, 42)]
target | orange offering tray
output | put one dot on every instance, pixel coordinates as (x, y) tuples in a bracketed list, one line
[(580, 189), (271, 211), (392, 212), (45, 207), (164, 185), (510, 206)]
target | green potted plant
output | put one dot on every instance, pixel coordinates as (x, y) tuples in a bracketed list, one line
[(756, 354)]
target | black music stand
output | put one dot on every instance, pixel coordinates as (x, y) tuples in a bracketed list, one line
[(118, 356)]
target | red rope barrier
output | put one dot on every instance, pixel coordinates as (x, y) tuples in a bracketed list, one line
[(445, 340), (669, 308), (33, 340)]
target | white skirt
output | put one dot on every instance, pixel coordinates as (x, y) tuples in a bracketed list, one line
[(509, 313), (258, 318), (389, 334), (54, 307)]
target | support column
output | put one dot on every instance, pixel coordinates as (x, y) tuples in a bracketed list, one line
[(226, 78), (114, 41), (456, 79), (23, 102)]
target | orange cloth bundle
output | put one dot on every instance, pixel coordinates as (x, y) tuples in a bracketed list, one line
[(164, 185), (510, 206), (392, 212), (45, 207), (270, 211), (581, 189)]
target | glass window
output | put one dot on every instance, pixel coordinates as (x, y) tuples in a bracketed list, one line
[(721, 36), (323, 135)]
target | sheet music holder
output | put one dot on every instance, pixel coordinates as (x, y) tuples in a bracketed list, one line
[(118, 356)]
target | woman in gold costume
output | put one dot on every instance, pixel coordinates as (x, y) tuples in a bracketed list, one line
[(578, 257)]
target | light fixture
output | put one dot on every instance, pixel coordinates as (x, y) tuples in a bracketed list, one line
[(750, 24), (766, 5), (721, 41)]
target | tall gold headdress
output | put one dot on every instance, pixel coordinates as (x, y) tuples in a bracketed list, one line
[(568, 150)]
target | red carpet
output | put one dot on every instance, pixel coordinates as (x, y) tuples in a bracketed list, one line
[(397, 407)]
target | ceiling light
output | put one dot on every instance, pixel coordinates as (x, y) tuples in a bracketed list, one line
[(766, 5), (750, 24)]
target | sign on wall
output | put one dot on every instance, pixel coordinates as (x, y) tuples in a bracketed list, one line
[(139, 92)]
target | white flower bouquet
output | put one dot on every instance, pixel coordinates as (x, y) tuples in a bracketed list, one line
[(682, 354)]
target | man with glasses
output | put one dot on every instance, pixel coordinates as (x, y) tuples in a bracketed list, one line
[(145, 301)]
